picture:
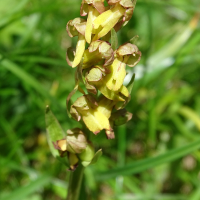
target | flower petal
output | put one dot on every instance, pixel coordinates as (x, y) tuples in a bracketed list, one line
[(93, 13), (80, 48)]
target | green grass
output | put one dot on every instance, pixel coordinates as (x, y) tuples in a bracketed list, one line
[(154, 157)]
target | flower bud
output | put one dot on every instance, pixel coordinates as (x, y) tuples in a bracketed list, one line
[(76, 140), (73, 161), (87, 155)]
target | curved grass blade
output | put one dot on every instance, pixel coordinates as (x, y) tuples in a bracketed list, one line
[(139, 166)]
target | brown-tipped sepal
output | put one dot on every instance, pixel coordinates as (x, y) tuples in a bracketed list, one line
[(96, 4), (98, 51), (76, 27), (131, 51), (73, 161), (110, 134)]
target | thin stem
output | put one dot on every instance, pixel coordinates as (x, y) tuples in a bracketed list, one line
[(75, 181)]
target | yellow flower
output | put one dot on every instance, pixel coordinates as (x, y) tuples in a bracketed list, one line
[(97, 78), (76, 27), (122, 10), (98, 51), (94, 115), (127, 54), (93, 8)]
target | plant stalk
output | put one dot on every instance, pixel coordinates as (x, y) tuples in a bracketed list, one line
[(75, 181)]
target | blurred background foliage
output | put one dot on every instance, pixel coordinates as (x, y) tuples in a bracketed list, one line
[(154, 157)]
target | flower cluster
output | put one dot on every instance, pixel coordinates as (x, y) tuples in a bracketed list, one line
[(99, 66)]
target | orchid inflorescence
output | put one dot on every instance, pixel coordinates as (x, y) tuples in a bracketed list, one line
[(100, 66)]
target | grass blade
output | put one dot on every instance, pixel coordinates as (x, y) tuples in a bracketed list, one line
[(139, 166)]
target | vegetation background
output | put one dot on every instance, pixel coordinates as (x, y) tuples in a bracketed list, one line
[(154, 157)]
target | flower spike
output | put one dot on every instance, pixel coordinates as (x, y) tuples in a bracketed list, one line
[(100, 66)]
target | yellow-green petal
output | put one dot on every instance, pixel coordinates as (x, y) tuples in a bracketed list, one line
[(93, 13), (116, 78), (107, 21), (80, 48), (105, 106), (95, 120)]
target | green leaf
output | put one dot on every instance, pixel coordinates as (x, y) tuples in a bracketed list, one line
[(54, 130), (140, 166), (114, 39), (97, 155), (130, 84), (134, 39)]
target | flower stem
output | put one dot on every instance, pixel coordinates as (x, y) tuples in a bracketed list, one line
[(75, 181)]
